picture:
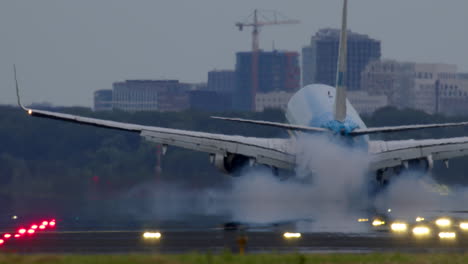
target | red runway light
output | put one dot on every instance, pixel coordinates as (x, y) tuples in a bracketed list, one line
[(17, 236), (22, 231), (1, 241), (31, 231), (42, 227), (34, 227), (7, 235), (52, 223), (45, 223)]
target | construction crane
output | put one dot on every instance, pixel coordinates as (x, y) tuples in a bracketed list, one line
[(270, 18)]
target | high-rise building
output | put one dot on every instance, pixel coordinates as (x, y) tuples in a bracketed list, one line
[(150, 95), (103, 100), (277, 71), (320, 58)]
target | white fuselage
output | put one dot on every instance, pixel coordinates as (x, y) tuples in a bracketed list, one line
[(313, 106)]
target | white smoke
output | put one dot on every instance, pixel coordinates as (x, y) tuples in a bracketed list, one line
[(338, 171), (331, 199), (164, 202), (417, 194)]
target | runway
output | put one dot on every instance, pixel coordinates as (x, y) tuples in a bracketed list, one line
[(183, 241)]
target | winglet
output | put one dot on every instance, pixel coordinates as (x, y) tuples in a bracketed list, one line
[(18, 92), (340, 99)]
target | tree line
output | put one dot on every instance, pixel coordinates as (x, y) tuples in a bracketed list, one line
[(59, 161)]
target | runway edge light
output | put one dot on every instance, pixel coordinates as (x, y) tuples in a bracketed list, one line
[(464, 226), (289, 235), (443, 222), (421, 230), (447, 235), (152, 235), (399, 227), (378, 222)]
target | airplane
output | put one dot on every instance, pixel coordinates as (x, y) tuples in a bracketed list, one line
[(314, 109)]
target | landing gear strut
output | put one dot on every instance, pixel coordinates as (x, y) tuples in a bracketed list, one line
[(381, 178)]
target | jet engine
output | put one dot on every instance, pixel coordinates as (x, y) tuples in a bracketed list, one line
[(422, 165), (229, 164)]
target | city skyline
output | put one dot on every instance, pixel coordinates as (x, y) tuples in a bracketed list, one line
[(65, 50)]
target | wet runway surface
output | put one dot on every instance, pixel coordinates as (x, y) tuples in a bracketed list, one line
[(378, 233), (180, 241)]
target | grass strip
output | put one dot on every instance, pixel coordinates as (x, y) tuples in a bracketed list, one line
[(226, 257)]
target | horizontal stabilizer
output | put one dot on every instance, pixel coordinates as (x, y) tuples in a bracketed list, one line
[(357, 132), (274, 124), (375, 130)]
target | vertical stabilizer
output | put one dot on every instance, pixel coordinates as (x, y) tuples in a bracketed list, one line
[(340, 99)]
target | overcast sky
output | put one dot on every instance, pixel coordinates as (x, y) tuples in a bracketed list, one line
[(64, 50)]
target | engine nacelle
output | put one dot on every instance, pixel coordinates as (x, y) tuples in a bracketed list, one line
[(230, 164), (422, 165)]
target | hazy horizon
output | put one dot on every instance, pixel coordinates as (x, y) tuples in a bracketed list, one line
[(65, 50)]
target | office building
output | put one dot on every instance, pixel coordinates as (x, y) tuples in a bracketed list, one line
[(150, 95), (452, 95), (103, 100), (409, 84), (390, 78), (272, 100)]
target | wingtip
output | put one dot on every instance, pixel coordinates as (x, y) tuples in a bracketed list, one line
[(18, 92)]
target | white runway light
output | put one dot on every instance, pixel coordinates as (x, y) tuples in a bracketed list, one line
[(443, 222), (289, 235), (464, 226), (399, 227), (152, 235), (378, 222), (447, 235), (421, 231)]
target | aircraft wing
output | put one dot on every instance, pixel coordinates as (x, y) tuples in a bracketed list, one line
[(387, 154), (274, 152)]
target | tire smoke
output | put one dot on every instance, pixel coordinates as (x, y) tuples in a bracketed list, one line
[(329, 191), (415, 193)]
